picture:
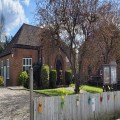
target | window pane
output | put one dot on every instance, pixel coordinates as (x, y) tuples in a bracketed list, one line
[(27, 61), (23, 68), (8, 73), (30, 61), (27, 69), (23, 61)]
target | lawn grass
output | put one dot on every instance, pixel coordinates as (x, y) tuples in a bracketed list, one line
[(91, 89), (55, 92), (65, 91), (88, 88)]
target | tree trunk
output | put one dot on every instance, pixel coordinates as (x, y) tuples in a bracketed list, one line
[(78, 72), (77, 83)]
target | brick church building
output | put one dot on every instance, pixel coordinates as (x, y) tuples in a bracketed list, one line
[(30, 45)]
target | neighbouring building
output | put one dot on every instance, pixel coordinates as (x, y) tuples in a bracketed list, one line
[(30, 45)]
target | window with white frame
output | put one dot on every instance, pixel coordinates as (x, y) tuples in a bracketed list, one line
[(8, 69), (27, 64), (1, 68)]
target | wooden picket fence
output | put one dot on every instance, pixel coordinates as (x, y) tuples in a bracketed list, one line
[(77, 107)]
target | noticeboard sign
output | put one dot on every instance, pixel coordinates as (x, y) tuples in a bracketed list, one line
[(113, 75), (106, 74), (110, 73)]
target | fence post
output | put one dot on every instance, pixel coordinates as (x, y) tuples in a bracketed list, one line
[(31, 93)]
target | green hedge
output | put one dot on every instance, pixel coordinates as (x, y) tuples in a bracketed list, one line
[(53, 78), (23, 79), (1, 81), (68, 77), (45, 76)]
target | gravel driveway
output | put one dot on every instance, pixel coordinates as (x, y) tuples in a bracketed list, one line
[(14, 104)]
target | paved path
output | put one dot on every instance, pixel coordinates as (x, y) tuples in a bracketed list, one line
[(14, 104)]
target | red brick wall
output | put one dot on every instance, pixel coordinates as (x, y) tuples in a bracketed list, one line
[(49, 55), (4, 59), (16, 62)]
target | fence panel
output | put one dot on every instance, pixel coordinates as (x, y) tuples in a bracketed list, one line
[(77, 107), (97, 105), (82, 104)]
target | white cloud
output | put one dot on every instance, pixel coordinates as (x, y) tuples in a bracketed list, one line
[(13, 13), (26, 2)]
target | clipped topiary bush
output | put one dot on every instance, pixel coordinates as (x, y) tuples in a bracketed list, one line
[(26, 83), (53, 78), (36, 75), (23, 79), (45, 76), (68, 77), (1, 81)]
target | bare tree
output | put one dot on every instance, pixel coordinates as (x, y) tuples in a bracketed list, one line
[(104, 46), (108, 34), (1, 24), (2, 20), (69, 20)]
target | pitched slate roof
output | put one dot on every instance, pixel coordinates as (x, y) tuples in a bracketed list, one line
[(28, 37)]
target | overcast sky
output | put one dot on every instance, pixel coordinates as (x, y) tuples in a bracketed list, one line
[(17, 12)]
